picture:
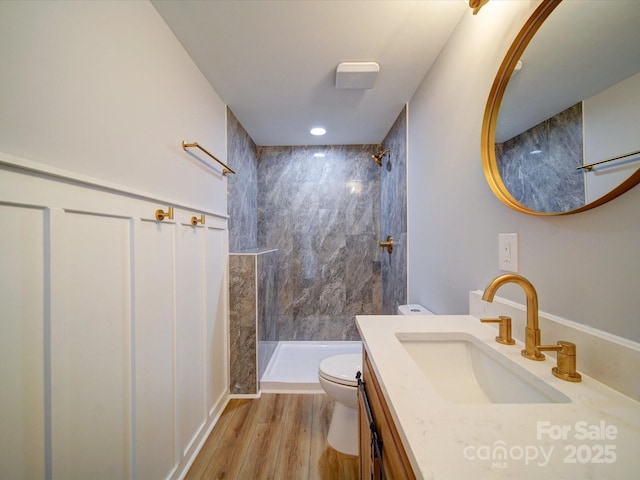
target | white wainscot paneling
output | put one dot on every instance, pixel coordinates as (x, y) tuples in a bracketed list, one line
[(154, 315), (90, 346), (189, 332), (22, 394), (216, 339), (113, 335)]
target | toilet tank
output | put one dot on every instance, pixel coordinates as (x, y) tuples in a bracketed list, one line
[(413, 309)]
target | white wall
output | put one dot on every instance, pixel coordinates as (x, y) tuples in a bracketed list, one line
[(611, 120), (104, 89), (586, 267), (113, 326)]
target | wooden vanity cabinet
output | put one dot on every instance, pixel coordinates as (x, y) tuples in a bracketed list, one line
[(382, 455)]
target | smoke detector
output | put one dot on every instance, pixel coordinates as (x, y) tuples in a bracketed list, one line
[(356, 75)]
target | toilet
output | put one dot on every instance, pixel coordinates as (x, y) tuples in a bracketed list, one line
[(337, 376)]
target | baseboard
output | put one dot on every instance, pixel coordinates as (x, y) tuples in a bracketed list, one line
[(185, 465)]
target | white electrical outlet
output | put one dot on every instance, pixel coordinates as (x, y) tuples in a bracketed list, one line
[(508, 252)]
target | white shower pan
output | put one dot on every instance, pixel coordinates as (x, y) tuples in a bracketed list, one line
[(293, 368)]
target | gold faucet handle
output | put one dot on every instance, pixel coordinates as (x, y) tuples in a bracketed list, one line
[(504, 331), (566, 369)]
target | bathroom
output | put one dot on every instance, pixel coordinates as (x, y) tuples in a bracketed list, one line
[(584, 266)]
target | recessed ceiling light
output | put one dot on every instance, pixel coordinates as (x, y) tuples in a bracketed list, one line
[(318, 131)]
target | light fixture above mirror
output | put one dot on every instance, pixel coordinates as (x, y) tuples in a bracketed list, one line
[(476, 5), (547, 108)]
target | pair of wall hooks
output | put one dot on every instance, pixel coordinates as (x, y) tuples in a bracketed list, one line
[(161, 215)]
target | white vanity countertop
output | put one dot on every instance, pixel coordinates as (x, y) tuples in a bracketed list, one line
[(595, 436)]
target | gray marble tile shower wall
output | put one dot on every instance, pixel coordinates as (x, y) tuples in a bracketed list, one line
[(253, 315), (538, 167), (242, 324), (322, 214), (393, 215), (242, 188)]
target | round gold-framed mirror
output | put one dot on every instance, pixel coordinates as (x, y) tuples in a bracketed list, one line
[(611, 155)]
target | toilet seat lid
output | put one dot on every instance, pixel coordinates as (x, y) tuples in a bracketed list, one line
[(341, 369)]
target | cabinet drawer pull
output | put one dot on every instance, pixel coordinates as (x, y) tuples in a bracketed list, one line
[(376, 441)]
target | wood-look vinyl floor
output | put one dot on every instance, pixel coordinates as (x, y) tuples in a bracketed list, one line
[(273, 437)]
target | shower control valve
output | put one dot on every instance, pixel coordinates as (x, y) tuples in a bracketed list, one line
[(388, 244)]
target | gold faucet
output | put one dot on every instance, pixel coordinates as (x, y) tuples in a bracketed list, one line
[(532, 332)]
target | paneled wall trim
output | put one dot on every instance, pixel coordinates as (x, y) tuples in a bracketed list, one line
[(113, 339)]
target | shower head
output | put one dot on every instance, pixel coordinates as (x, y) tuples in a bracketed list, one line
[(378, 157)]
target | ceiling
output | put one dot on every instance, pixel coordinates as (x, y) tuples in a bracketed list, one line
[(273, 62)]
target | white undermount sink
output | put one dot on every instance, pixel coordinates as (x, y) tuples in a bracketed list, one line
[(463, 369)]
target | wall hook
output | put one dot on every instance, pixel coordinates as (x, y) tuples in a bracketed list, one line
[(160, 214), (195, 220)]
